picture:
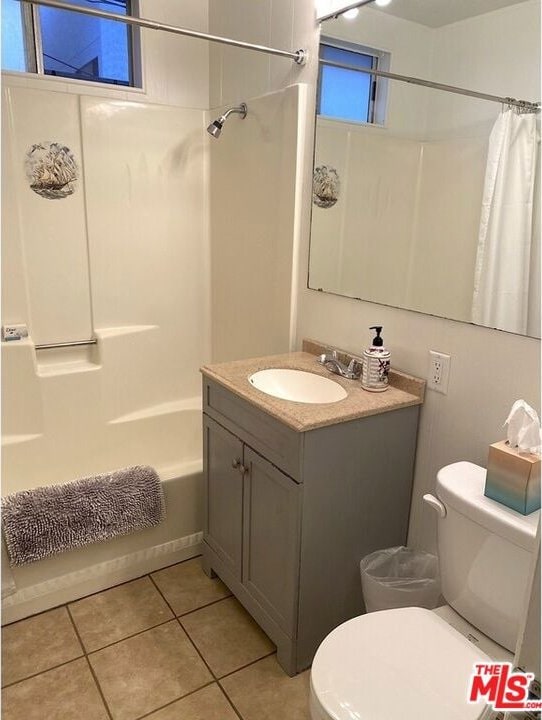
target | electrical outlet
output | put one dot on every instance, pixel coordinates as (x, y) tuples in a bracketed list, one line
[(439, 372)]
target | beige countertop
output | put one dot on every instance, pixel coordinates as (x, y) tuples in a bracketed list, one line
[(404, 391)]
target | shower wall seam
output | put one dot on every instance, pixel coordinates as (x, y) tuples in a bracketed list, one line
[(85, 206)]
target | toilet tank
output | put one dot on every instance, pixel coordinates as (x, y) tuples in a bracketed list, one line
[(485, 552)]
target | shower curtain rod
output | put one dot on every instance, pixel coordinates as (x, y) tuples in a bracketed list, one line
[(523, 104), (298, 56)]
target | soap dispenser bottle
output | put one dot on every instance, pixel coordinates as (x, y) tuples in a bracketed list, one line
[(376, 364)]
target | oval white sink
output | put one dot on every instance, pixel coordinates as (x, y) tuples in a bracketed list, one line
[(297, 386)]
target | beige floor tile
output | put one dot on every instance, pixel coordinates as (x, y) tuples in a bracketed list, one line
[(144, 672), (186, 587), (38, 643), (65, 693), (119, 612), (226, 636), (263, 691), (206, 704)]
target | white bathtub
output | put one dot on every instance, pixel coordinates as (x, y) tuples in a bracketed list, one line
[(168, 437)]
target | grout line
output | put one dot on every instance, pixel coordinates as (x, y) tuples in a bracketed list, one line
[(244, 667), (213, 602), (126, 582), (116, 642), (129, 637), (181, 562), (84, 597), (85, 654), (181, 697), (187, 635), (230, 701), (96, 682), (98, 592), (35, 615), (42, 672)]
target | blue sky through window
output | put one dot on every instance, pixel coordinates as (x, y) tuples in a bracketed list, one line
[(74, 45), (83, 46), (345, 94), (13, 55)]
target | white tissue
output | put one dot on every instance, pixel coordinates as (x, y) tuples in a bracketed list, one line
[(524, 428)]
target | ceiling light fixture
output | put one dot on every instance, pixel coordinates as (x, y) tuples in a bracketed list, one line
[(382, 3), (351, 14)]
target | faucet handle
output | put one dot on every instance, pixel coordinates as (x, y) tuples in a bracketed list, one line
[(355, 367)]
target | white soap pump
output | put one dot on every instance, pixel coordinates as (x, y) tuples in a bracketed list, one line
[(376, 364)]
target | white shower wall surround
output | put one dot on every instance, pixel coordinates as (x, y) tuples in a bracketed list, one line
[(123, 258)]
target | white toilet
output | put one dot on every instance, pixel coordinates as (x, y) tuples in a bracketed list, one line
[(415, 664)]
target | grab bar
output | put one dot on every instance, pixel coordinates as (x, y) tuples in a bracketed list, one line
[(73, 343)]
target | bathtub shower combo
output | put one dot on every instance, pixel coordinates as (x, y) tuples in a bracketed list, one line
[(106, 324)]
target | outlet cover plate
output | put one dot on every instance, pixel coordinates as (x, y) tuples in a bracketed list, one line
[(438, 376)]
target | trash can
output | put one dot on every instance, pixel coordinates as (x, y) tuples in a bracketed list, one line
[(400, 577)]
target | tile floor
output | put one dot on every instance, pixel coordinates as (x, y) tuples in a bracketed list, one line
[(173, 645)]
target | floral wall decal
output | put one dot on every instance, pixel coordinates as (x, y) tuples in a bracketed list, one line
[(51, 170), (326, 186)]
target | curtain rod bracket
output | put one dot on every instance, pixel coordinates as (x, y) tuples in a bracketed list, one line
[(301, 57)]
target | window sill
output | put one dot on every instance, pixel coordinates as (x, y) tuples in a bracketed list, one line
[(77, 87)]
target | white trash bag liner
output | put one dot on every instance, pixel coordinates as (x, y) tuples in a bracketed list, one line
[(400, 577)]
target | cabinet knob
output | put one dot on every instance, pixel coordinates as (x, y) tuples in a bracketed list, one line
[(236, 463), (243, 470)]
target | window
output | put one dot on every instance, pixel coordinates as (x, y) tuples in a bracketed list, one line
[(50, 41), (346, 92)]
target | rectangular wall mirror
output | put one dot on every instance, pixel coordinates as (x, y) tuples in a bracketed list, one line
[(428, 199)]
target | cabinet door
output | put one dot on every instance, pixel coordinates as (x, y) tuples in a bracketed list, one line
[(271, 539), (223, 525)]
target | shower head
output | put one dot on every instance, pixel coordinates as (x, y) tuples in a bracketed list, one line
[(215, 128)]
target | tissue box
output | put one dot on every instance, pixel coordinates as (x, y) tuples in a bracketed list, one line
[(513, 479)]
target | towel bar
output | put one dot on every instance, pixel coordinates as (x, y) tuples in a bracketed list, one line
[(73, 343)]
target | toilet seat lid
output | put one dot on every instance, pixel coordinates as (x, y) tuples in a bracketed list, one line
[(406, 663)]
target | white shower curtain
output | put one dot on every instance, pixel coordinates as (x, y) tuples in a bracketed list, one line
[(501, 278)]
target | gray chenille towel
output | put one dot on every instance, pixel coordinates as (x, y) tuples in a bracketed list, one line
[(48, 520)]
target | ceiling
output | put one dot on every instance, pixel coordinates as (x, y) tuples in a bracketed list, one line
[(435, 13)]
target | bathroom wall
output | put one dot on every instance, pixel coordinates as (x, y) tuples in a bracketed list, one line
[(255, 178), (236, 74), (489, 369), (254, 165)]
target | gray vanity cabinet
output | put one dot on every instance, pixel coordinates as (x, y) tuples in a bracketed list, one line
[(271, 539), (223, 527), (252, 522), (289, 515)]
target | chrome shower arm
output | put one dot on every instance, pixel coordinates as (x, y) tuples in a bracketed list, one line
[(239, 110)]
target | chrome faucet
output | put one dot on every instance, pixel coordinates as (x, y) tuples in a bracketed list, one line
[(334, 365)]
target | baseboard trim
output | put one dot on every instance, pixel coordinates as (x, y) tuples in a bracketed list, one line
[(72, 586)]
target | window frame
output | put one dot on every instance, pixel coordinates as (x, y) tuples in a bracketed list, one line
[(378, 92), (34, 59)]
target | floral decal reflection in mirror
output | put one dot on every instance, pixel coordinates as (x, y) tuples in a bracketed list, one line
[(326, 186)]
